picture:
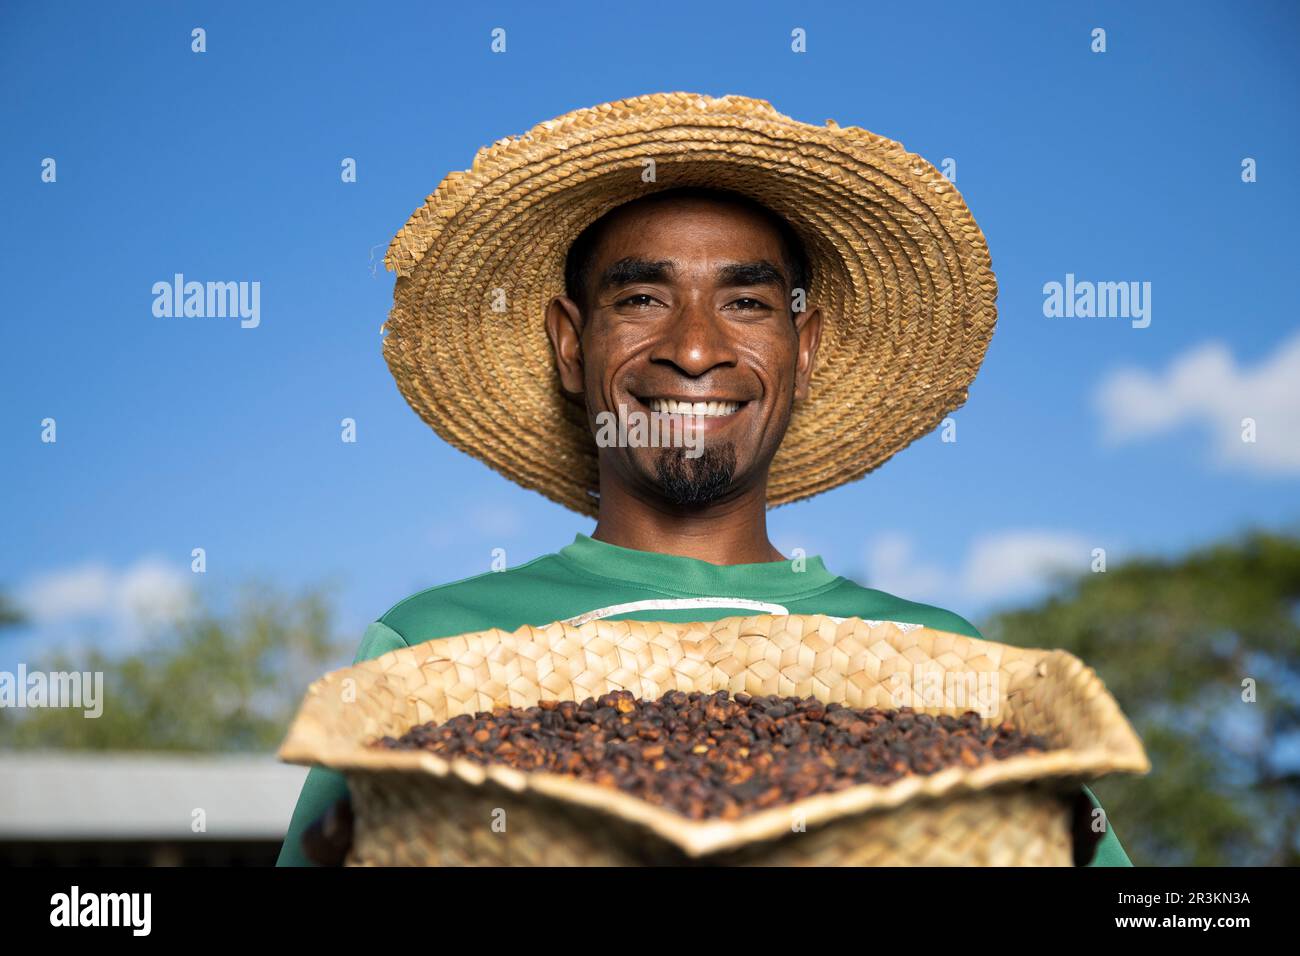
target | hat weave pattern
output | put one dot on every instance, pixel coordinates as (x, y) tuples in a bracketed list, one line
[(900, 271)]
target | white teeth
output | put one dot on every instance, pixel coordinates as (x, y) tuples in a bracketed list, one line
[(668, 406)]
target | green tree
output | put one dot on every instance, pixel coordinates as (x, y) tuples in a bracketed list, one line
[(1182, 644), (210, 681)]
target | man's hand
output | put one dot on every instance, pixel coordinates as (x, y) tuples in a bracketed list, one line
[(327, 841)]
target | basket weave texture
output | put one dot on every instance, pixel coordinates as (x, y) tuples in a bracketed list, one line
[(416, 808)]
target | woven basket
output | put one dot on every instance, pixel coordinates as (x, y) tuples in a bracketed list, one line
[(415, 808)]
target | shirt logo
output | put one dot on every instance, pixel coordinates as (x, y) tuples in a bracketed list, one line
[(666, 604)]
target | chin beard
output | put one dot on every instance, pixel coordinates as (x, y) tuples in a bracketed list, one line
[(691, 482)]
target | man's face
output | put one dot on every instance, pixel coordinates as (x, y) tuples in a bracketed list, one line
[(688, 301)]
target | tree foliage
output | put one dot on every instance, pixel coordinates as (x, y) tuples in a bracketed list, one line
[(1182, 644), (10, 615), (211, 681), (1179, 642)]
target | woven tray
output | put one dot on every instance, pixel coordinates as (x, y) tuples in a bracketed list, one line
[(415, 808)]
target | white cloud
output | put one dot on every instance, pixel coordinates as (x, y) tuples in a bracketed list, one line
[(153, 590), (490, 521), (496, 520), (147, 590), (83, 591), (1015, 563), (1207, 387), (892, 567), (1002, 566)]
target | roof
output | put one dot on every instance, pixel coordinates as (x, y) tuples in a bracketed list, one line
[(113, 796)]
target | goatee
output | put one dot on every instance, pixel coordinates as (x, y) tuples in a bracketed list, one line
[(691, 482)]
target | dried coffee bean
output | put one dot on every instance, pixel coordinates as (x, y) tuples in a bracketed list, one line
[(716, 756)]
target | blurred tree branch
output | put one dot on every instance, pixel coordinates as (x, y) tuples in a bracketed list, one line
[(10, 614)]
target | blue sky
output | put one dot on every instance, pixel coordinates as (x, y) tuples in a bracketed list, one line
[(181, 433)]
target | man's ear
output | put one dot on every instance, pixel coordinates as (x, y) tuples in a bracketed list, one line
[(808, 327), (564, 329)]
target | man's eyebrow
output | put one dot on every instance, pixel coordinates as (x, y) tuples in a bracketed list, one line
[(761, 272), (631, 269)]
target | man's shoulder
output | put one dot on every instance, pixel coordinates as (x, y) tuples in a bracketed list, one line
[(544, 589), (851, 599), (490, 599)]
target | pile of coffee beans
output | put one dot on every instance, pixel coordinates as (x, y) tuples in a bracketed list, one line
[(715, 755)]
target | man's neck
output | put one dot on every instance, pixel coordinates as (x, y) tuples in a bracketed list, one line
[(729, 532)]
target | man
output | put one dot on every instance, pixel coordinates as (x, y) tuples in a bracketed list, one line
[(554, 287)]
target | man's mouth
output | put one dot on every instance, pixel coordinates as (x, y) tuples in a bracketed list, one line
[(713, 409)]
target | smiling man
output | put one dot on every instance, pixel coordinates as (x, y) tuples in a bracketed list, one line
[(798, 303), (678, 307)]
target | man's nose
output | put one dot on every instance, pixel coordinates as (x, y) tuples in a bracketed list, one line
[(695, 339)]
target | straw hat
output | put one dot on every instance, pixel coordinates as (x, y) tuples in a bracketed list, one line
[(899, 269)]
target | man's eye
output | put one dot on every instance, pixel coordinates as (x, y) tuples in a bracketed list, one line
[(640, 300), (748, 305)]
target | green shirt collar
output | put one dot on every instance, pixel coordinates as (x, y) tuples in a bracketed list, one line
[(670, 572)]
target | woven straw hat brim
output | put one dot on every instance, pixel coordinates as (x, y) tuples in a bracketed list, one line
[(900, 270)]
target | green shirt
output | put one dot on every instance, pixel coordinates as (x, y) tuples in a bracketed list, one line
[(593, 578)]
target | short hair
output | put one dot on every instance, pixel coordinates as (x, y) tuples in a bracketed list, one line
[(577, 264)]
